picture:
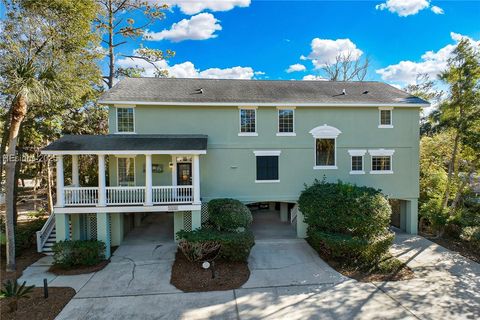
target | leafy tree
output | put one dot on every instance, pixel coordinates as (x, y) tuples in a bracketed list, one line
[(461, 111), (118, 26), (47, 57)]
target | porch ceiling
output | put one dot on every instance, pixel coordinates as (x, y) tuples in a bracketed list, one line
[(129, 144)]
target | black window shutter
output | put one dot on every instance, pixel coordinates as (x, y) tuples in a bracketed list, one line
[(267, 168)]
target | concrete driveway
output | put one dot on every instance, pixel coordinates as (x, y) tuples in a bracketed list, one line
[(288, 281)]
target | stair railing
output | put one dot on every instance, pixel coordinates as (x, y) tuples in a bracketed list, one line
[(44, 233)]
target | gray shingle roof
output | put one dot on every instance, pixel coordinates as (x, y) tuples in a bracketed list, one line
[(137, 142), (178, 91)]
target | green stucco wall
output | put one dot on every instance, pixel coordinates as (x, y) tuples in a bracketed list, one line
[(228, 169)]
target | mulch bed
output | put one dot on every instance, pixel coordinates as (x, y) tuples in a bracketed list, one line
[(36, 307), (403, 273), (78, 269), (25, 259), (464, 248), (191, 277)]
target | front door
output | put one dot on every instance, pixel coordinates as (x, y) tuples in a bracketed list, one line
[(184, 174)]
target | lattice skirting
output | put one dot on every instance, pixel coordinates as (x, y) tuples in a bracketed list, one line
[(187, 220), (90, 225), (204, 212)]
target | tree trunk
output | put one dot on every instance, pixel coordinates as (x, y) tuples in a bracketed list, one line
[(111, 54), (4, 146), (19, 110), (451, 169)]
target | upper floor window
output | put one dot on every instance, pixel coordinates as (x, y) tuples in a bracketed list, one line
[(126, 171), (248, 122), (267, 166), (385, 118), (325, 146), (125, 120), (286, 122), (356, 161), (381, 161)]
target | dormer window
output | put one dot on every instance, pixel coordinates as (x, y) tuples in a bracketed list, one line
[(385, 117), (125, 120)]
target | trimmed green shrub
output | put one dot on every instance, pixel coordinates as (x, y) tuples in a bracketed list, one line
[(347, 221), (69, 254), (229, 214), (471, 234), (234, 246)]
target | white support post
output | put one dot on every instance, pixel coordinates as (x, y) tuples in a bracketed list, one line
[(60, 182), (148, 180), (102, 193), (75, 177), (196, 179)]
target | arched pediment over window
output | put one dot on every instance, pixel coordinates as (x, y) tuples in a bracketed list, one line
[(325, 131)]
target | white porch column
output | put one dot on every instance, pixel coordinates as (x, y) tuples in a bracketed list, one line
[(75, 177), (196, 179), (60, 182), (102, 192), (148, 180)]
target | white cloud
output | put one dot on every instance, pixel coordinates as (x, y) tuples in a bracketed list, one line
[(313, 77), (296, 67), (432, 63), (188, 70), (191, 7), (199, 27), (325, 51), (406, 8), (437, 10)]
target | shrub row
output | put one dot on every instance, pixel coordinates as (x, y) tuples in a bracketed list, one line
[(234, 246), (72, 253)]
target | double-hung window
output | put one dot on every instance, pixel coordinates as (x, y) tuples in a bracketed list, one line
[(382, 161), (125, 120), (385, 117), (325, 147), (267, 166), (356, 161), (248, 122), (286, 122), (126, 171)]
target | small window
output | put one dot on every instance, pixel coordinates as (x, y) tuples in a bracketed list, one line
[(325, 152), (125, 120), (381, 163), (385, 118), (126, 171), (248, 125), (286, 122), (357, 163), (267, 166)]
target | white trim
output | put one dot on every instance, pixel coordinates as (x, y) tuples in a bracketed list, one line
[(122, 152), (267, 181), (116, 120), (381, 152), (357, 152), (250, 107), (382, 171), (357, 172), (286, 108), (325, 167), (325, 132), (127, 209), (125, 155), (246, 134), (385, 126), (285, 134), (265, 104), (267, 153)]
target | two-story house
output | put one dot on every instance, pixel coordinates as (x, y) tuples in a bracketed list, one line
[(175, 144)]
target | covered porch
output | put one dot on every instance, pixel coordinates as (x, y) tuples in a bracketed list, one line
[(136, 174)]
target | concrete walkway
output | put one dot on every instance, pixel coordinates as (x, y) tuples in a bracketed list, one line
[(288, 281)]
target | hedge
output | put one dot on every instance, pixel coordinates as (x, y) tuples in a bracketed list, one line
[(69, 254), (229, 214), (234, 246)]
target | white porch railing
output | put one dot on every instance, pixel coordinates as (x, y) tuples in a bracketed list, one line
[(81, 196), (44, 233), (125, 195), (172, 194)]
